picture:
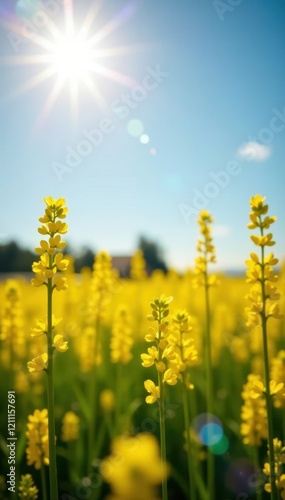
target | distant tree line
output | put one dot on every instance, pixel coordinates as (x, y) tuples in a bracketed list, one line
[(13, 258)]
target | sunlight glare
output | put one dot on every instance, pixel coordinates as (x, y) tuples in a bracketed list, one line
[(71, 58)]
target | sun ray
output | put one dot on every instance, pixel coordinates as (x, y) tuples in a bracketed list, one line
[(118, 51), (69, 17), (89, 19), (32, 59), (73, 87), (72, 55), (50, 103), (112, 25), (30, 84), (94, 91), (118, 77)]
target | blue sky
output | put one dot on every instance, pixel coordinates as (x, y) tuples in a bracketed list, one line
[(216, 105)]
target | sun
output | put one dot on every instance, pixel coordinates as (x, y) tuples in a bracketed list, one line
[(73, 57)]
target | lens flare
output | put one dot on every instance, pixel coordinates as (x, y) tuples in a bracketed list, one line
[(135, 127), (221, 446), (144, 139), (211, 434)]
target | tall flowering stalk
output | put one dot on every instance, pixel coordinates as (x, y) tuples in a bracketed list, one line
[(102, 281), (47, 273), (263, 298), (120, 351), (206, 251), (159, 354), (180, 336)]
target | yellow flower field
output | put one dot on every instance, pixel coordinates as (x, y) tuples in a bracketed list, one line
[(167, 386)]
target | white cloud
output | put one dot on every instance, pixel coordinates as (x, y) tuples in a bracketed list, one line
[(254, 151)]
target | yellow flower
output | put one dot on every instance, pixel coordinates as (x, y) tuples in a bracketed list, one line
[(70, 427), (134, 469), (170, 377), (38, 364), (59, 344), (41, 326), (122, 336), (60, 263), (253, 412), (153, 390), (263, 295), (27, 490), (279, 460), (37, 439), (138, 266), (50, 261), (107, 400), (278, 374), (150, 358), (60, 283), (206, 252)]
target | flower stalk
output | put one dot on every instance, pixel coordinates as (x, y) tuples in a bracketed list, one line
[(206, 251), (47, 273), (158, 355), (263, 299)]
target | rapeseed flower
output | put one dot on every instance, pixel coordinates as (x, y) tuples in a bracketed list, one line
[(278, 374), (162, 352), (253, 413), (138, 266), (51, 260), (27, 489), (279, 461), (134, 470), (70, 427), (121, 336), (37, 439), (206, 252)]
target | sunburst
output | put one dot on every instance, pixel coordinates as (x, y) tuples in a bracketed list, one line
[(73, 57)]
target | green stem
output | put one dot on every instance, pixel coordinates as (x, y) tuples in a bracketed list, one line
[(50, 398), (118, 397), (44, 484), (162, 436), (267, 378), (162, 418), (257, 473), (209, 392), (190, 462), (93, 402)]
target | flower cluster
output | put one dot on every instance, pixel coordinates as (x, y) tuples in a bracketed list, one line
[(180, 337), (51, 259), (278, 374), (134, 468), (160, 353), (263, 296), (70, 427), (279, 460), (37, 437), (107, 400), (206, 251), (102, 283), (253, 413), (39, 363), (27, 489), (138, 266), (12, 337), (122, 337)]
